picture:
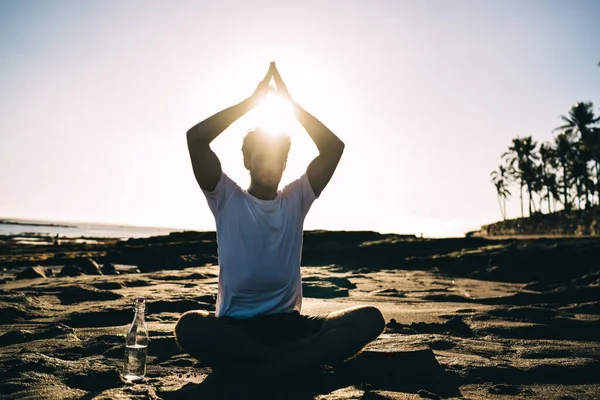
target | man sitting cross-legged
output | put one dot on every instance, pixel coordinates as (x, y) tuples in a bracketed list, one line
[(257, 323)]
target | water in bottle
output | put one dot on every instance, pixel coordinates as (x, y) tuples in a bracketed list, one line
[(136, 344)]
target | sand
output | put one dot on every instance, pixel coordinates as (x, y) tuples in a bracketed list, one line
[(447, 336)]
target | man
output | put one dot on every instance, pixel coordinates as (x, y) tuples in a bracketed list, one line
[(257, 323)]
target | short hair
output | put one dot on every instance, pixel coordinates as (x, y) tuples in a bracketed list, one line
[(259, 138)]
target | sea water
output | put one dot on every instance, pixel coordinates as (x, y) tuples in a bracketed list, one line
[(135, 362)]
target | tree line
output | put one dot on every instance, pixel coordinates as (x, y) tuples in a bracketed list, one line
[(561, 174)]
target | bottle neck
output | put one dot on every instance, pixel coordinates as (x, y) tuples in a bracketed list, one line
[(139, 309), (139, 312)]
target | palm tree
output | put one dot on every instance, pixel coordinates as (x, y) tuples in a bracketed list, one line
[(551, 185), (594, 145), (546, 177), (579, 124), (563, 152), (529, 171), (538, 186), (512, 157), (500, 180), (521, 158), (580, 120), (582, 173)]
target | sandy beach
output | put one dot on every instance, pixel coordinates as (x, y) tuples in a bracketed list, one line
[(466, 318)]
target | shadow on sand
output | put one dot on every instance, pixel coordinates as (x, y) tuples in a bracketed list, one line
[(412, 371)]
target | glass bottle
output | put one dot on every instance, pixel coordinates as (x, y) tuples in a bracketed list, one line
[(136, 344)]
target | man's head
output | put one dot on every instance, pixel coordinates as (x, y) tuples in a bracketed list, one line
[(265, 156)]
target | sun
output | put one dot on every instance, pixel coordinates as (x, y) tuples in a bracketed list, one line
[(275, 114)]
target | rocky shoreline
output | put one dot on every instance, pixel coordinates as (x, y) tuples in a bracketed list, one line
[(466, 317)]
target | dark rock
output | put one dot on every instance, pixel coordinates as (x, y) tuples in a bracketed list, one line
[(591, 278), (159, 258), (177, 306), (392, 292), (94, 319), (592, 307), (455, 326), (560, 295), (182, 276), (428, 395), (96, 381), (443, 297), (107, 285), (322, 290), (31, 273), (184, 261), (9, 314), (399, 370), (88, 266), (136, 283), (109, 269), (207, 298), (21, 336), (337, 281), (394, 327), (570, 223), (79, 293), (441, 344), (12, 337), (70, 270), (537, 286)]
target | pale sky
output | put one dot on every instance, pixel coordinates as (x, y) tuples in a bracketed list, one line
[(96, 98)]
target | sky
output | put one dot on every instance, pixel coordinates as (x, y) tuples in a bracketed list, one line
[(96, 98)]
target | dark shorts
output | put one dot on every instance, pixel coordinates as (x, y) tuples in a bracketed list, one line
[(274, 329)]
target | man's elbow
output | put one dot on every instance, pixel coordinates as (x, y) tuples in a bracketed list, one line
[(194, 137), (338, 148), (190, 134)]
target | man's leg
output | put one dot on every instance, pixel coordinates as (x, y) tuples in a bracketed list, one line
[(344, 334), (214, 342)]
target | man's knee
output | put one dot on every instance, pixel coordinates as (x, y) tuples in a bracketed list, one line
[(373, 318), (366, 320), (189, 325), (370, 320)]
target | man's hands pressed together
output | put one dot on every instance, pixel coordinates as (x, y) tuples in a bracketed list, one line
[(263, 87), (281, 86)]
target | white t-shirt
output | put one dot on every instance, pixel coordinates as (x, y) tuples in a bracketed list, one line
[(260, 245)]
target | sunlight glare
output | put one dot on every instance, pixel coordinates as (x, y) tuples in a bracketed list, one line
[(275, 114)]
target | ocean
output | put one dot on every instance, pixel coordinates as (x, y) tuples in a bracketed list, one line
[(76, 230)]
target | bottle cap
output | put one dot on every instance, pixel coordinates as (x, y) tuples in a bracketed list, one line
[(140, 299)]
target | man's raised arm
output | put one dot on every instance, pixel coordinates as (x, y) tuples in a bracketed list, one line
[(206, 164), (330, 147)]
